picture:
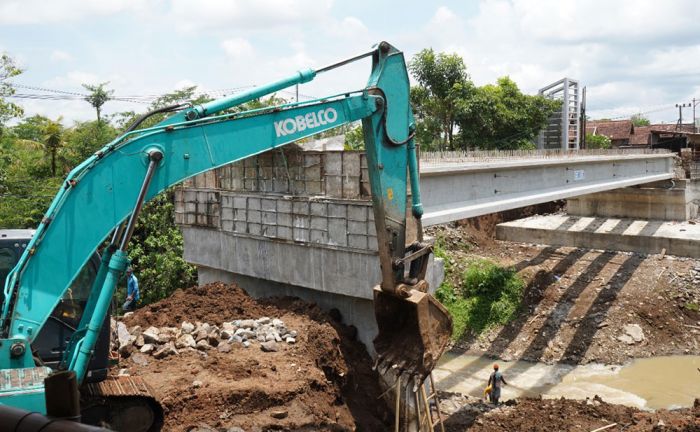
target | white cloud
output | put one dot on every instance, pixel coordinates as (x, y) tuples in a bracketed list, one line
[(19, 12), (59, 56), (237, 48), (258, 14), (607, 45)]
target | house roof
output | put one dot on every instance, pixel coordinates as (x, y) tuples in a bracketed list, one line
[(640, 135), (613, 129)]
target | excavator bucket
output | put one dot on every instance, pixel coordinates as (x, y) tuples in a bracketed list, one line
[(414, 331)]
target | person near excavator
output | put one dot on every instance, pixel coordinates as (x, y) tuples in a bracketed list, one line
[(495, 381), (132, 290)]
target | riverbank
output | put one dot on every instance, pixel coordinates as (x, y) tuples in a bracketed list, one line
[(582, 306), (549, 415)]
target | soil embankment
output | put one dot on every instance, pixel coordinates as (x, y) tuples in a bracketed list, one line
[(322, 381)]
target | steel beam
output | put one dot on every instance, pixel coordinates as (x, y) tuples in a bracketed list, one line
[(453, 191)]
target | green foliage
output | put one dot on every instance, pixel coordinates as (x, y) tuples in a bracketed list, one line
[(500, 116), (8, 110), (496, 116), (692, 307), (156, 252), (640, 120), (597, 141), (488, 295), (443, 81), (354, 139), (98, 96)]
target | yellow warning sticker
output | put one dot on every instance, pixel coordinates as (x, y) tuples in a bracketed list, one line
[(390, 193)]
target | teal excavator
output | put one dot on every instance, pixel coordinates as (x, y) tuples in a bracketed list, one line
[(102, 197)]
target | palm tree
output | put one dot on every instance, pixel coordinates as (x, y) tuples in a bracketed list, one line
[(53, 140), (50, 140)]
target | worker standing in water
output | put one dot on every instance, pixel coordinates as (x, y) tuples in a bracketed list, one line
[(495, 381), (132, 290)]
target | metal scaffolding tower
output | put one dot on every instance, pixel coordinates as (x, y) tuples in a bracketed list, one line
[(563, 129)]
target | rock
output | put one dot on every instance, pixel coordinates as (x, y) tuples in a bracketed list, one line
[(123, 334), (245, 333), (269, 337), (263, 321), (187, 327), (224, 347), (139, 359), (290, 340), (197, 383), (203, 345), (635, 332), (247, 324), (151, 335), (206, 327), (213, 337), (139, 342), (246, 344), (135, 330), (626, 339), (226, 334), (277, 323), (127, 315), (147, 348), (165, 351), (235, 339), (201, 335), (269, 346), (293, 333), (279, 414), (185, 341)]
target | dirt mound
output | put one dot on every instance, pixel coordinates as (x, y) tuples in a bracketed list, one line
[(577, 415), (322, 382)]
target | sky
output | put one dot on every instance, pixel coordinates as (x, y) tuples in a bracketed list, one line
[(633, 56)]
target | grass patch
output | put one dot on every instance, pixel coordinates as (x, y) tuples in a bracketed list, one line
[(692, 307), (487, 295)]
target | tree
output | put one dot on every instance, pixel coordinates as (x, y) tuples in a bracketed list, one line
[(442, 80), (597, 141), (53, 141), (98, 96), (8, 70), (500, 116), (640, 120)]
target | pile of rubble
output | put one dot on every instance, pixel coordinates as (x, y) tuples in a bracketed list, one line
[(161, 342)]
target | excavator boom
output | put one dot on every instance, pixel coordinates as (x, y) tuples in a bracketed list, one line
[(101, 199)]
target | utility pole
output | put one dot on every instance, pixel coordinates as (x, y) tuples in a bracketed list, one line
[(695, 103), (680, 115)]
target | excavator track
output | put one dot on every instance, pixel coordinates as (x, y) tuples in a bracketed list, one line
[(121, 403)]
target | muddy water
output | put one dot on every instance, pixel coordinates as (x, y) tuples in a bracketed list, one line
[(653, 383)]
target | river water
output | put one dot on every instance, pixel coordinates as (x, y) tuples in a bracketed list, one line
[(652, 383)]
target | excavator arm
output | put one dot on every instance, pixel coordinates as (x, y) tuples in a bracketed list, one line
[(101, 198)]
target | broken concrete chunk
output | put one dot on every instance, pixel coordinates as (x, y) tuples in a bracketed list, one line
[(147, 348), (276, 322), (290, 340), (224, 347), (263, 321)]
